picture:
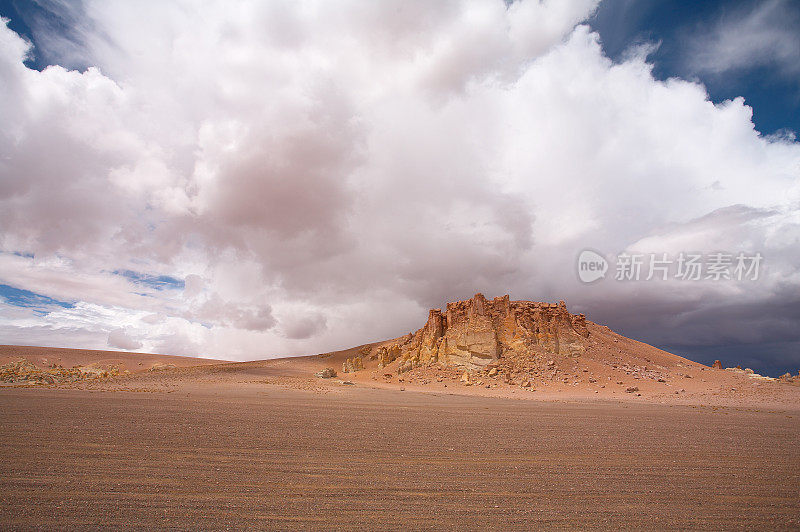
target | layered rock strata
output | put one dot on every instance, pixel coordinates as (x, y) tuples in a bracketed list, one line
[(477, 332)]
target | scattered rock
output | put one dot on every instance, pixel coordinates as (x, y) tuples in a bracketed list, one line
[(717, 365), (405, 367), (24, 371), (631, 389)]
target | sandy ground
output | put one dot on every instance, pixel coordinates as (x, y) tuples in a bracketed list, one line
[(355, 458), (268, 445)]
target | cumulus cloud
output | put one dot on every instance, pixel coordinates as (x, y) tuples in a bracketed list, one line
[(119, 338), (317, 176)]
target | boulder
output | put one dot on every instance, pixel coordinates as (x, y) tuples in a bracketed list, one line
[(326, 373)]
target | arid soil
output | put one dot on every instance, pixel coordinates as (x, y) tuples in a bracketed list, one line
[(48, 356), (186, 444), (349, 457)]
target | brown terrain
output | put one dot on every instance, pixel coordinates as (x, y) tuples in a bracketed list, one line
[(496, 413)]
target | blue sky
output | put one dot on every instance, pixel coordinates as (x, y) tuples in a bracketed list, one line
[(675, 25), (270, 180), (26, 298), (158, 282)]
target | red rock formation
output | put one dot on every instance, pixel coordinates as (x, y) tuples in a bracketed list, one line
[(351, 365), (475, 333)]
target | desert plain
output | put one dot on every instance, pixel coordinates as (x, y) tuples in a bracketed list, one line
[(603, 433)]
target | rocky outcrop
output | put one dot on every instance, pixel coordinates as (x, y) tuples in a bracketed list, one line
[(717, 364), (477, 332), (351, 365), (387, 354)]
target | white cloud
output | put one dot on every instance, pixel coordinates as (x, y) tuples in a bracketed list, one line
[(318, 175), (120, 338), (744, 39)]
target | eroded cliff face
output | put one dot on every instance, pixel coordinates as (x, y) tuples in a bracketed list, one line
[(475, 333)]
